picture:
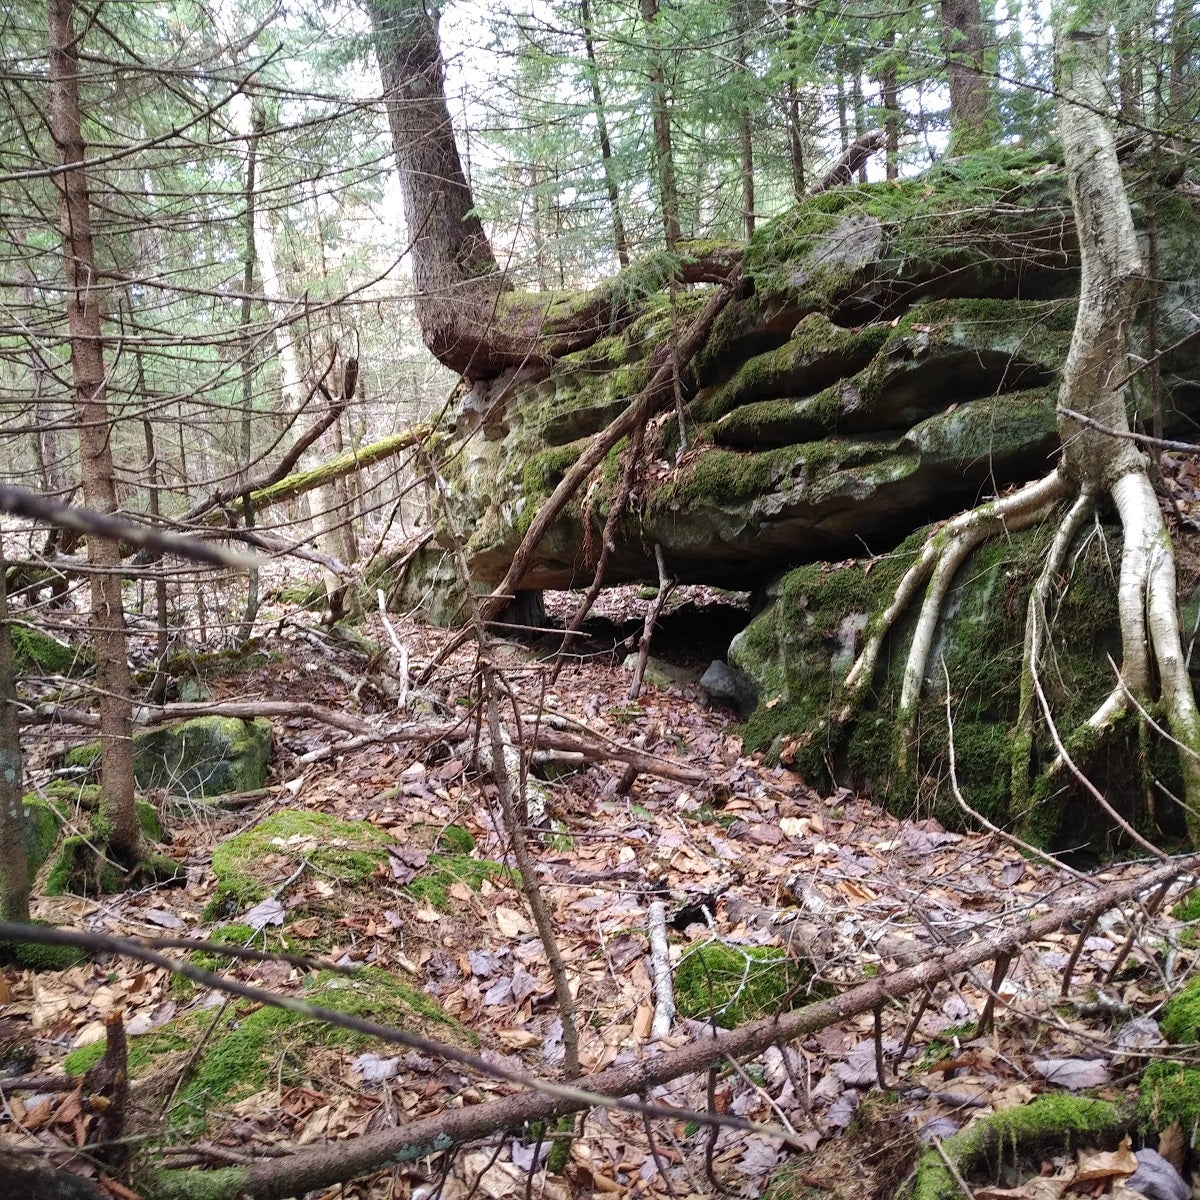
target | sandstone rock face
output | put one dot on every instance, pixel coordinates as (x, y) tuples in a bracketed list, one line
[(893, 360)]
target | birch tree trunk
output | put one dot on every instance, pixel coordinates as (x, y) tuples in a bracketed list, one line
[(1093, 383)]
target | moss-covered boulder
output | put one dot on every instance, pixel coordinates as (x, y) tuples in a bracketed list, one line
[(799, 648), (38, 653), (207, 756), (1010, 1146), (43, 821)]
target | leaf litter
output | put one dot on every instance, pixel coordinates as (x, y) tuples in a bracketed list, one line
[(756, 857)]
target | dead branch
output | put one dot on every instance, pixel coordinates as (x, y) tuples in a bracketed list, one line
[(84, 522), (1129, 435), (344, 464), (220, 497), (606, 751), (665, 584), (853, 157), (590, 746)]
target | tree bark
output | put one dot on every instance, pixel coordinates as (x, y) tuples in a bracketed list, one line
[(620, 240), (1093, 383), (964, 46), (745, 118), (795, 133), (455, 275), (661, 113), (14, 866), (889, 95), (95, 444)]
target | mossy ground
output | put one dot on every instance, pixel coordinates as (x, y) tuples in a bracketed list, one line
[(246, 865), (255, 1048), (354, 853), (1012, 1144), (732, 985)]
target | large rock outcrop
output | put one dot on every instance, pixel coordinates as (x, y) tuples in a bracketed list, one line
[(892, 360)]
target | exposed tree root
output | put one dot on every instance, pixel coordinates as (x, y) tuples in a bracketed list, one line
[(1099, 460), (944, 552)]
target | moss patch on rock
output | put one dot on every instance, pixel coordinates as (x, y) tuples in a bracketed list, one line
[(207, 756), (800, 647), (1015, 1142)]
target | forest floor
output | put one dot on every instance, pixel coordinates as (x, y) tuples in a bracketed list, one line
[(755, 857)]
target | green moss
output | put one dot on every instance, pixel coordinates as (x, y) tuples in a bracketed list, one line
[(1181, 1017), (726, 478), (792, 649), (149, 820), (442, 871), (37, 956), (1022, 1136), (347, 851), (247, 1052), (831, 246), (216, 1184), (1169, 1092), (78, 872), (1187, 908), (799, 648), (237, 933), (545, 470), (83, 757), (37, 653), (734, 985), (302, 595), (43, 821), (456, 839), (143, 1050)]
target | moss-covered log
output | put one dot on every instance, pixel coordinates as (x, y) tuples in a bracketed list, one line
[(339, 467)]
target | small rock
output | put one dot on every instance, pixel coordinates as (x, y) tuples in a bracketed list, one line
[(1157, 1179), (727, 685)]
